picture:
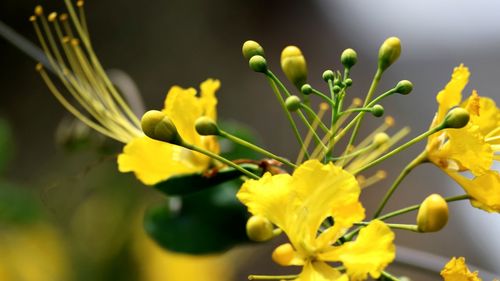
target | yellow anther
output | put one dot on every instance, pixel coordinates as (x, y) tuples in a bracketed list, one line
[(389, 120), (357, 102), (381, 174), (432, 214), (80, 3), (39, 67), (52, 16), (380, 139), (63, 17), (38, 10), (324, 106), (32, 18), (75, 42)]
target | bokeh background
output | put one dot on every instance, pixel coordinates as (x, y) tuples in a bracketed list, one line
[(93, 212)]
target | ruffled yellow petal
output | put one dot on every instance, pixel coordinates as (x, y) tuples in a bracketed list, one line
[(298, 204), (451, 95), (153, 161), (320, 271), (462, 149), (208, 99), (484, 113), (484, 189), (456, 270), (370, 253)]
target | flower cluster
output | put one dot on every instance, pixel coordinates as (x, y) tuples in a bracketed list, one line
[(314, 200)]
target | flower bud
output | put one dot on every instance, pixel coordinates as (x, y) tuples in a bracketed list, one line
[(294, 65), (205, 126), (380, 139), (283, 254), (292, 103), (328, 75), (348, 82), (377, 110), (404, 87), (251, 48), (156, 125), (456, 118), (259, 229), (432, 214), (348, 58), (389, 52), (306, 89), (258, 63)]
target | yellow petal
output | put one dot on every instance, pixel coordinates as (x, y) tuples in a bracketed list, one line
[(370, 253), (488, 114), (484, 189), (320, 271), (298, 204), (456, 270), (451, 95), (153, 161), (207, 97), (464, 148)]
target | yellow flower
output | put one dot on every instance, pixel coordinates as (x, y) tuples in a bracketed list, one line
[(456, 270), (300, 203), (153, 161), (471, 148)]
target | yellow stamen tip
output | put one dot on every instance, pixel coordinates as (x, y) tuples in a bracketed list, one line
[(80, 3), (38, 10), (357, 102), (66, 39), (39, 67), (52, 16), (32, 18), (389, 120), (324, 106), (381, 174), (75, 42), (63, 17)]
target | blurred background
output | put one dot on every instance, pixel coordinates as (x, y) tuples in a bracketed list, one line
[(92, 214)]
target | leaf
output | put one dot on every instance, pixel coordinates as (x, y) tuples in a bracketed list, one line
[(208, 221), (186, 184)]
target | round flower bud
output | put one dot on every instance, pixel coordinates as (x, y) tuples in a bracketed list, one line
[(404, 87), (156, 125), (283, 254), (389, 52), (292, 103), (306, 89), (348, 58), (380, 139), (259, 229), (456, 118), (294, 65), (377, 110), (205, 126), (348, 82), (251, 48), (328, 75), (432, 214), (258, 63), (336, 89)]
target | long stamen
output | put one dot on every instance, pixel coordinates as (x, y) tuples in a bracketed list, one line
[(323, 108)]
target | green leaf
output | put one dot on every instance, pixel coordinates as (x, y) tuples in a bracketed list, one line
[(6, 144), (208, 221), (186, 184)]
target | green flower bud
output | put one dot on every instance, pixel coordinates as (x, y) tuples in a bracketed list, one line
[(377, 110), (456, 118), (156, 125), (205, 126), (404, 87), (258, 63), (306, 89), (348, 58), (328, 75), (389, 52), (348, 82), (380, 139), (259, 229), (294, 65), (292, 103), (432, 214), (336, 89), (251, 48)]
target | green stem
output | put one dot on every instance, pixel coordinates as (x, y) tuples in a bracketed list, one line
[(316, 118), (417, 161), (388, 276), (221, 159), (324, 97), (409, 227), (359, 109), (272, 277), (255, 148), (355, 153), (288, 115), (311, 129), (400, 148)]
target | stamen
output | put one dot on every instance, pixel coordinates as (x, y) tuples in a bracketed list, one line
[(378, 176), (323, 107), (272, 277)]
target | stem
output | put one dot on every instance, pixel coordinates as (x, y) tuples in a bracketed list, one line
[(256, 148), (272, 277), (270, 76), (221, 159), (311, 129), (388, 276), (409, 227), (401, 148), (316, 118), (417, 161), (323, 96)]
